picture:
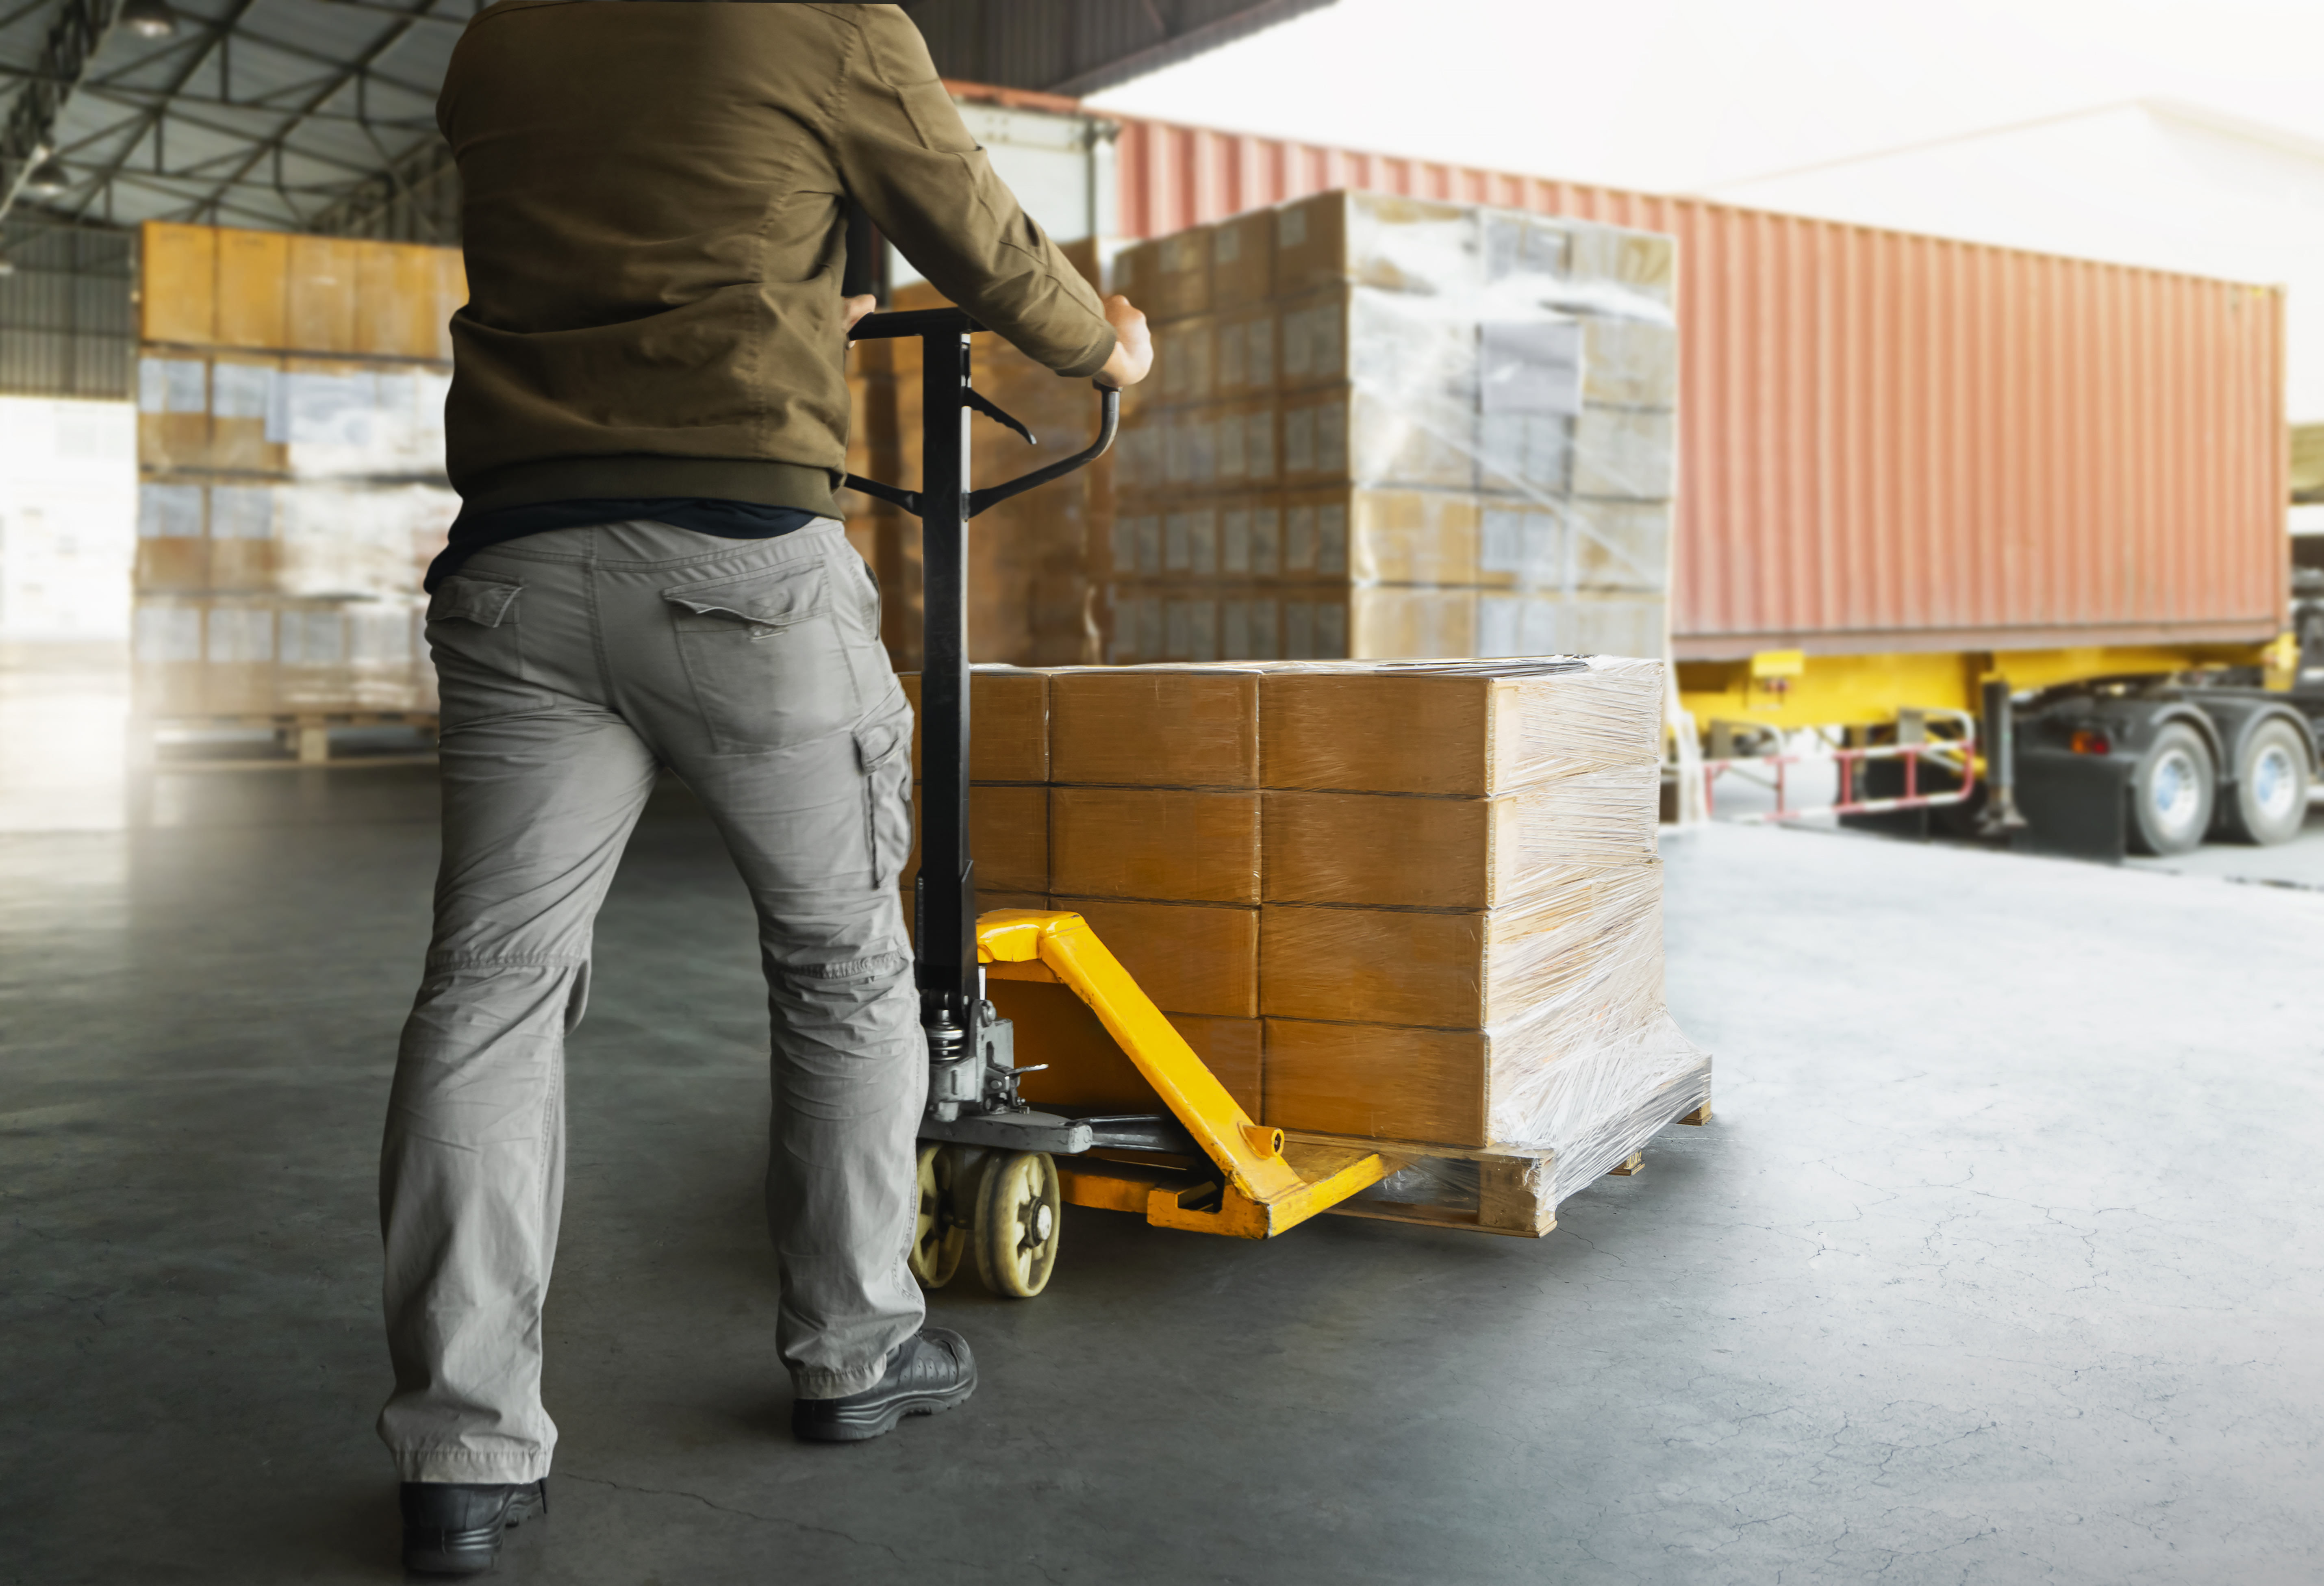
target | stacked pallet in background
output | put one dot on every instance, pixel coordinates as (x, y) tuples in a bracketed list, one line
[(1385, 427), (1410, 902), (292, 486), (1029, 592)]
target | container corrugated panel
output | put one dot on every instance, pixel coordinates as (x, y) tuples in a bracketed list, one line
[(1898, 442), (68, 325)]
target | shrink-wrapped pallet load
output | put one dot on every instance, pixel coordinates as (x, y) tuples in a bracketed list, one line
[(1429, 430), (1411, 902), (290, 450)]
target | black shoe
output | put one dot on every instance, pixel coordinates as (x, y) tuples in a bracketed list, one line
[(929, 1371), (454, 1528)]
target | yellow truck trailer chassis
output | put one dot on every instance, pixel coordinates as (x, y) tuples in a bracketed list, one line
[(2096, 750)]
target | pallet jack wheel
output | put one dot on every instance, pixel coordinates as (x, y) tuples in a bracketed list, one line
[(1019, 1212), (941, 1237)]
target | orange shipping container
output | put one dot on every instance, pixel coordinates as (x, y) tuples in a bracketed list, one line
[(1897, 442)]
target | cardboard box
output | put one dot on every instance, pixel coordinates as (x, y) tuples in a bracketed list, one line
[(1185, 363), (1347, 333), (1242, 260), (1622, 453), (241, 391), (320, 293), (1573, 545), (1470, 970), (253, 281), (1585, 623), (988, 899), (1392, 852), (1380, 240), (1154, 726), (1396, 622), (1401, 536), (1160, 844), (1335, 433), (173, 420), (1247, 361), (1008, 834), (1629, 362), (1467, 730), (1008, 723), (1088, 1069), (1169, 277), (177, 298), (1250, 537), (1378, 1081), (1188, 957)]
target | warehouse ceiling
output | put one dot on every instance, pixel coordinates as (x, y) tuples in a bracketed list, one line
[(319, 115)]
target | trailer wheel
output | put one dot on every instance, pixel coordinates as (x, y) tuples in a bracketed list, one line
[(2171, 793), (941, 1237), (2271, 801), (1019, 1212)]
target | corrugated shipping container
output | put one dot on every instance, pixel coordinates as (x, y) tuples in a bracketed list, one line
[(1895, 442)]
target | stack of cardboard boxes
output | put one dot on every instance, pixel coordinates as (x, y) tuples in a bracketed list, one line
[(1415, 903), (291, 487), (1385, 427)]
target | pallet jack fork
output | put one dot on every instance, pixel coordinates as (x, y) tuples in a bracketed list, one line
[(989, 1171)]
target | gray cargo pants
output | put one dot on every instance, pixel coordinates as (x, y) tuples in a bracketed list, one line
[(574, 665)]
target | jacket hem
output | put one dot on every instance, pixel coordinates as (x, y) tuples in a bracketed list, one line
[(757, 481)]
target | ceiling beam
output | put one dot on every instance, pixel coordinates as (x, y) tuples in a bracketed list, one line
[(350, 75)]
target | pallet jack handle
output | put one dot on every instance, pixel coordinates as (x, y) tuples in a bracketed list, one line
[(944, 966)]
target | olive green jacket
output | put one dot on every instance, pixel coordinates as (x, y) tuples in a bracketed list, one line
[(654, 213)]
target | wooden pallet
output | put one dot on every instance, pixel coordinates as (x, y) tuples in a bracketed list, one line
[(1511, 1183), (306, 732)]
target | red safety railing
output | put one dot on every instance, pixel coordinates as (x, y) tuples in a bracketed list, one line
[(1957, 757)]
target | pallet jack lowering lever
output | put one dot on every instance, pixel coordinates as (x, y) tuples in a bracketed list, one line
[(972, 1072)]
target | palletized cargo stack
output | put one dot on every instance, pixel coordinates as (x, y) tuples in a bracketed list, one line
[(1415, 903), (1383, 426), (291, 485)]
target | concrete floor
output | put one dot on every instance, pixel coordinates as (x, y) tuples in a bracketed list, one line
[(1997, 1266)]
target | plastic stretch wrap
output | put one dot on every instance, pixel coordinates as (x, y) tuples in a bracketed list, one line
[(291, 447), (1381, 851), (1587, 938), (1471, 406), (300, 417), (255, 655), (1450, 728), (258, 536)]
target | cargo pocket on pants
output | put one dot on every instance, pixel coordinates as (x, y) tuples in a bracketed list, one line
[(883, 749), (765, 658), (477, 646)]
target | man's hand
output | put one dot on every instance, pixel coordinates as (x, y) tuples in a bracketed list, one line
[(1133, 350), (856, 308)]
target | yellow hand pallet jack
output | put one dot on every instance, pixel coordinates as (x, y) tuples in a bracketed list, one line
[(991, 1173)]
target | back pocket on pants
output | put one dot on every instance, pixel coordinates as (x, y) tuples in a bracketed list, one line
[(765, 656)]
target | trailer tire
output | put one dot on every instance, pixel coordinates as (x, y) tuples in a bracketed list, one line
[(2271, 798), (2172, 792)]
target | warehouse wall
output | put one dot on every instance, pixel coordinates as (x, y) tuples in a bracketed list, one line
[(67, 321)]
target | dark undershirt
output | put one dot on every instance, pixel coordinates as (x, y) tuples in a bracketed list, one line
[(728, 519)]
